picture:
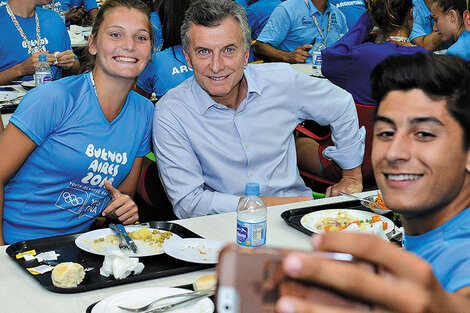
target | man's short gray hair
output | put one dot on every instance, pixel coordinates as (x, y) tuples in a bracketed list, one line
[(210, 13)]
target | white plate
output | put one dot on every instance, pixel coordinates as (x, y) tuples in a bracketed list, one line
[(8, 95), (311, 219), (84, 242), (196, 250), (140, 297)]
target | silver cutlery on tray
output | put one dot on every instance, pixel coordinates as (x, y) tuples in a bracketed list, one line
[(187, 297)]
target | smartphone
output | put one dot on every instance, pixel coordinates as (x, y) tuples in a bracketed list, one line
[(251, 280)]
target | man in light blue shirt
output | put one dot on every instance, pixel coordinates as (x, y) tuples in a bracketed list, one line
[(422, 33), (233, 123), (295, 25)]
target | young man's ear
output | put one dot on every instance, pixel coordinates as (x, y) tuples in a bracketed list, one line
[(466, 20)]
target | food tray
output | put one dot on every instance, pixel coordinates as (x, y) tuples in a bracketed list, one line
[(155, 266), (293, 217)]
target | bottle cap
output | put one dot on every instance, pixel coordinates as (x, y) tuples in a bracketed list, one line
[(252, 189), (42, 57)]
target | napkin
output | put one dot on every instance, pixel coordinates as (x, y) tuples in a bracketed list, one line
[(376, 229), (120, 266)]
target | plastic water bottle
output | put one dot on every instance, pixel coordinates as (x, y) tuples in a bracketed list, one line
[(43, 72), (316, 57), (251, 218)]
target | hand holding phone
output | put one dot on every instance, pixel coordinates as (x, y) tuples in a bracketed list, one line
[(252, 280)]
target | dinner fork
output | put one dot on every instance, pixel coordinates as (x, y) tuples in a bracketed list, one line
[(375, 205), (194, 295)]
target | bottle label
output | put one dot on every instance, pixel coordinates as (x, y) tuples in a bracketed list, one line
[(42, 78), (316, 58), (251, 234)]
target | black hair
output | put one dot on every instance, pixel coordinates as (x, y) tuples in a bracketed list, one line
[(171, 13), (440, 77)]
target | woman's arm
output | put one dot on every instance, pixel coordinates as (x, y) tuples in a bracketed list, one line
[(16, 147)]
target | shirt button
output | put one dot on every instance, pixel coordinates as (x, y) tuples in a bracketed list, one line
[(236, 114), (247, 145), (219, 106), (252, 174)]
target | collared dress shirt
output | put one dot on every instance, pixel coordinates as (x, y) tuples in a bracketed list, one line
[(206, 152), (291, 25)]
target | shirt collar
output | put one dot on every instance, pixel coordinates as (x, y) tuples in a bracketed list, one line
[(204, 101), (312, 9)]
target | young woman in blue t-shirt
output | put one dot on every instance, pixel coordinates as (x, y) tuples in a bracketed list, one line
[(73, 149)]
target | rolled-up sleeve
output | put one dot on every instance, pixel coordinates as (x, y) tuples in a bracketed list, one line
[(327, 104)]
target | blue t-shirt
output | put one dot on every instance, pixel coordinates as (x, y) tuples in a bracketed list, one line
[(66, 5), (349, 62), (258, 14), (13, 49), (447, 249), (291, 25), (243, 3), (59, 189), (352, 9), (157, 29), (462, 46), (422, 20), (167, 71)]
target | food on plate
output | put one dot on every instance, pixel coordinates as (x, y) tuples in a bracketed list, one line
[(67, 275), (343, 219), (205, 283), (143, 236), (380, 202)]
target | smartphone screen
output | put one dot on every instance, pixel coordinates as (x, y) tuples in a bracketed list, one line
[(252, 280)]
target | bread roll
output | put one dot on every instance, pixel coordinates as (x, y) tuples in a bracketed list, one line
[(67, 275), (204, 283)]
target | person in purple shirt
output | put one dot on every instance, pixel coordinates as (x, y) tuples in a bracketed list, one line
[(349, 62)]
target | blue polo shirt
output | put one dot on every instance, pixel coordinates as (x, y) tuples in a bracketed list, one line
[(422, 20), (291, 25), (352, 9), (462, 46), (258, 14)]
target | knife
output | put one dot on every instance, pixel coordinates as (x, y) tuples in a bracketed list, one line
[(128, 239), (123, 245)]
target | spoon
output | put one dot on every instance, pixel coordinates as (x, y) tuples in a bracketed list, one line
[(377, 209)]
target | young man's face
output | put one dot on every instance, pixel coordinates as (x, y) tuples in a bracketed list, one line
[(418, 154), (218, 56)]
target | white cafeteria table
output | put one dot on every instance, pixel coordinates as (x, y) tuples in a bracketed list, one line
[(21, 293)]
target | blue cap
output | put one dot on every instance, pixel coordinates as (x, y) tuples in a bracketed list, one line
[(42, 57), (252, 189)]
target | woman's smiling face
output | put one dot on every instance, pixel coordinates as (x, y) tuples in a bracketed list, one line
[(123, 45)]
